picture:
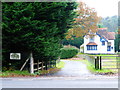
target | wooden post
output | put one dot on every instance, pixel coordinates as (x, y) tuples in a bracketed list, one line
[(50, 64), (97, 63), (100, 63), (31, 63), (42, 65), (24, 64), (55, 63), (46, 65), (38, 65)]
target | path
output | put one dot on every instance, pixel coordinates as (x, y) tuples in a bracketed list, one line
[(73, 68)]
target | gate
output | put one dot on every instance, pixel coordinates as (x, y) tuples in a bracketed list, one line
[(107, 62)]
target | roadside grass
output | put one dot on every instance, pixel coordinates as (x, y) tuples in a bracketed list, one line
[(102, 55), (93, 70), (109, 63), (60, 64), (17, 73), (106, 56)]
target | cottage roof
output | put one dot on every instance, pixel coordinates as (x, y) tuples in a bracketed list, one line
[(107, 35), (91, 43)]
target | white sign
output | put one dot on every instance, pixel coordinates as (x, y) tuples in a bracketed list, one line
[(15, 56)]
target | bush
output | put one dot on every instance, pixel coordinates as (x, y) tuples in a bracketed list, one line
[(68, 52)]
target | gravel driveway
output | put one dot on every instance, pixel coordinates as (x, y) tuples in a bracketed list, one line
[(73, 68)]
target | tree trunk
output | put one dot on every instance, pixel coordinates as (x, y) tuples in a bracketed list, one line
[(31, 63)]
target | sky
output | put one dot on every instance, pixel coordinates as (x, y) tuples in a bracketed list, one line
[(104, 8)]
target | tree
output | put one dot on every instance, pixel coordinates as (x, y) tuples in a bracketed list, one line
[(111, 23), (86, 21), (117, 43), (74, 42), (36, 27)]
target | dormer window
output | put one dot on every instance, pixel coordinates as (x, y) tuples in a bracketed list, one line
[(109, 44), (91, 39), (103, 43)]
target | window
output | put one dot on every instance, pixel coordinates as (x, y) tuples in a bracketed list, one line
[(109, 43), (91, 47), (111, 47), (108, 48), (92, 39), (103, 43)]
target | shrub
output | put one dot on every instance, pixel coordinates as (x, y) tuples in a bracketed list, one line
[(68, 52)]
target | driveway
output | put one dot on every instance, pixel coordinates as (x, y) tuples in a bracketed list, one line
[(73, 68)]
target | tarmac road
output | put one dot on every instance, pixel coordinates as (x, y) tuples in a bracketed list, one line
[(73, 75), (58, 82)]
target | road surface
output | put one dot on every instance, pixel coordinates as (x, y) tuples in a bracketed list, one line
[(73, 75)]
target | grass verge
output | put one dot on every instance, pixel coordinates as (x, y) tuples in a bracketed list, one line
[(18, 73), (15, 73), (60, 65)]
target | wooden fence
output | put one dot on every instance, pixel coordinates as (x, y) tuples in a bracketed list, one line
[(36, 66), (107, 62), (44, 66), (40, 66), (104, 62)]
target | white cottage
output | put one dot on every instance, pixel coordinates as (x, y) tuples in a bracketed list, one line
[(101, 43)]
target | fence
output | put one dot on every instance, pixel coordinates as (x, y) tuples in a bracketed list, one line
[(40, 66), (36, 66), (44, 65), (104, 62), (109, 62)]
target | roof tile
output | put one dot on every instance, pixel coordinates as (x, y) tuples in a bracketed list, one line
[(107, 35), (91, 43)]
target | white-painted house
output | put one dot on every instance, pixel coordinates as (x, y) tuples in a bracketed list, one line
[(101, 43)]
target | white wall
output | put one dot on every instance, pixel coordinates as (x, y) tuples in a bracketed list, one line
[(100, 48)]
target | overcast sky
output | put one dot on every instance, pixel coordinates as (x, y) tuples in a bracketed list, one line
[(104, 8)]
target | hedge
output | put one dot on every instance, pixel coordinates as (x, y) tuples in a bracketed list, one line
[(68, 53)]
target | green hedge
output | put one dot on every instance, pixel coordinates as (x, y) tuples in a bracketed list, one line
[(68, 53)]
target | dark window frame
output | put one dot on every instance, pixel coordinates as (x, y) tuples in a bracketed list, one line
[(91, 47), (108, 48), (103, 43)]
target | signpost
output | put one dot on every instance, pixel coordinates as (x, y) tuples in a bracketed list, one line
[(31, 63), (15, 56)]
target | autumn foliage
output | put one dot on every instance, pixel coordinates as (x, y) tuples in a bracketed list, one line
[(86, 20)]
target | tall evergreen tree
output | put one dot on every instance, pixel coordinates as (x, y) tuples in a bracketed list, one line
[(36, 27)]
